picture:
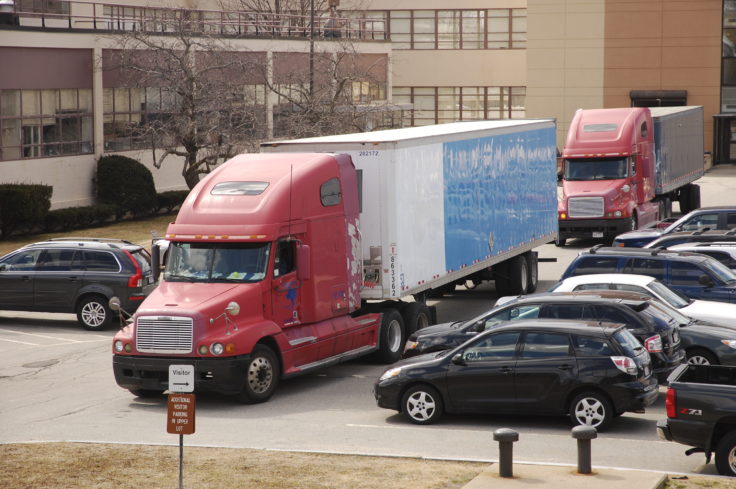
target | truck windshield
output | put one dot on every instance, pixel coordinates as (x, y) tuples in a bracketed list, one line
[(216, 262), (596, 169)]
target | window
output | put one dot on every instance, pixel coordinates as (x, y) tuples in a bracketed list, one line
[(585, 346), (645, 266), (593, 287), (526, 311), (100, 261), (38, 123), (60, 261), (21, 261), (330, 192), (546, 345), (285, 260), (501, 346), (565, 311), (595, 264), (697, 223), (685, 273), (611, 314)]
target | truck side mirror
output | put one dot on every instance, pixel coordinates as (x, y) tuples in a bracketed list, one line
[(303, 255)]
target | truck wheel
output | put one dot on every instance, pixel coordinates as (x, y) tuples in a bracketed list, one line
[(93, 313), (533, 268), (592, 409), (146, 392), (416, 316), (422, 404), (518, 275), (560, 242), (391, 337), (698, 356), (694, 197), (261, 377), (726, 455)]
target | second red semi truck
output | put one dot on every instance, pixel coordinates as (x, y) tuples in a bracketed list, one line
[(624, 167), (283, 262)]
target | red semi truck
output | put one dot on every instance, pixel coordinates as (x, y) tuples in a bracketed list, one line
[(624, 167), (282, 263)]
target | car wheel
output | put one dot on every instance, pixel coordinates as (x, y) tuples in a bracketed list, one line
[(146, 392), (592, 409), (416, 316), (261, 376), (391, 337), (422, 404), (698, 356), (726, 455), (93, 313)]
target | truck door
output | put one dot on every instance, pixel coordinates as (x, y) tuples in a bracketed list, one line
[(286, 297)]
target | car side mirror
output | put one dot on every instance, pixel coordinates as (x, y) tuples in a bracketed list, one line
[(457, 359), (705, 280)]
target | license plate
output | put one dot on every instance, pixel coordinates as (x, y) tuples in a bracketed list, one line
[(597, 235)]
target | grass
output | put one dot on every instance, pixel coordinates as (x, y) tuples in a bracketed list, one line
[(136, 231), (101, 466)]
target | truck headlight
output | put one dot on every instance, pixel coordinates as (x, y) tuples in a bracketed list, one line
[(617, 213), (217, 348), (729, 343), (118, 345), (392, 372)]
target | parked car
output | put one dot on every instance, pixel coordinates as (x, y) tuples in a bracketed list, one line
[(704, 218), (76, 275), (720, 313), (591, 371), (724, 252), (692, 236), (696, 276), (661, 340)]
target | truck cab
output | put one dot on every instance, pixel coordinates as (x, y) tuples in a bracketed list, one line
[(608, 177)]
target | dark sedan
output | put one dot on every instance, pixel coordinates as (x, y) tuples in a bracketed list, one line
[(591, 371)]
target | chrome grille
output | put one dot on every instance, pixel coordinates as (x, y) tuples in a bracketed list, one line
[(585, 206), (164, 334)]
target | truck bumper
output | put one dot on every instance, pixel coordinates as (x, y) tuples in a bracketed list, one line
[(222, 375), (593, 228)]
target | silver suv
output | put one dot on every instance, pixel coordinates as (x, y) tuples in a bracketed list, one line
[(76, 275)]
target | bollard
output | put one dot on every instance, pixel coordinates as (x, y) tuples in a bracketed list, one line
[(505, 438), (583, 434)]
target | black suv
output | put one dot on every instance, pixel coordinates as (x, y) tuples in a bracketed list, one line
[(589, 370), (661, 340), (693, 274), (76, 275)]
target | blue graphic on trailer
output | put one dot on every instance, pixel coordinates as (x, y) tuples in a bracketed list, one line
[(500, 192)]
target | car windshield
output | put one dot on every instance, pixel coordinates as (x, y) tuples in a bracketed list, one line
[(629, 344), (668, 295), (596, 169), (666, 312), (721, 271), (217, 262)]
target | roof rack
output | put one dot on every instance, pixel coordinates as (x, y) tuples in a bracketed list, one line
[(595, 248), (97, 240)]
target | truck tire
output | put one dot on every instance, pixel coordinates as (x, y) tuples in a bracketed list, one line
[(593, 409), (694, 196), (518, 275), (93, 313), (422, 404), (726, 454), (391, 337), (533, 267), (261, 377), (416, 315)]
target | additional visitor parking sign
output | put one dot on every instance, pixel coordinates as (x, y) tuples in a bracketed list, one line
[(180, 414), (181, 378)]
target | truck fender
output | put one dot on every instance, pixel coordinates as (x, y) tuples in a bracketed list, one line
[(252, 334)]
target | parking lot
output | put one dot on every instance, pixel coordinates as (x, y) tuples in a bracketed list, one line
[(56, 383)]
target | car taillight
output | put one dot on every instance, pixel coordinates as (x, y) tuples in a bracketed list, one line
[(653, 344), (625, 364), (135, 280), (670, 403)]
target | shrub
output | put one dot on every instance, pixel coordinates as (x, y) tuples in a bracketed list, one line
[(23, 207), (168, 201), (79, 217), (127, 183)]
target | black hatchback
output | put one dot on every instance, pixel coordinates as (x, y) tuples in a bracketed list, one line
[(591, 371), (76, 275)]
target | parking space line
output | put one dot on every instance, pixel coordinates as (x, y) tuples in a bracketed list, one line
[(19, 342), (36, 335)]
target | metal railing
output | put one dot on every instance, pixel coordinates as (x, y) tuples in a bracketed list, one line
[(72, 14)]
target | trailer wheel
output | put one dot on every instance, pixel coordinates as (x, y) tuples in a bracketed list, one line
[(685, 199), (390, 337), (694, 197), (533, 267), (416, 316), (726, 455), (518, 275), (261, 376), (501, 278)]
